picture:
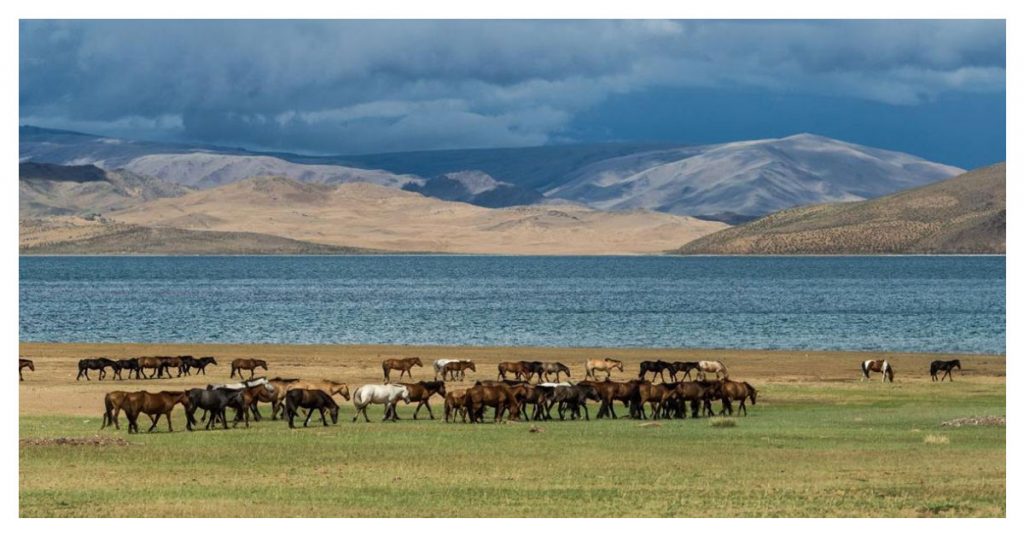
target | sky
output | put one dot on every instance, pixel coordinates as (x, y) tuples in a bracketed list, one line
[(936, 89)]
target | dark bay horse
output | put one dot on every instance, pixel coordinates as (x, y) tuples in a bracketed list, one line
[(685, 367), (946, 367), (100, 364), (657, 368), (188, 363), (23, 364), (131, 365), (238, 365), (216, 402), (498, 396), (112, 408), (403, 365), (421, 392), (610, 391), (311, 400)]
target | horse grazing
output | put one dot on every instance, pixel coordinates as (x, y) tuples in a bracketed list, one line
[(100, 364), (686, 367), (704, 367), (606, 365), (152, 404), (456, 370), (310, 399), (555, 368), (521, 369), (188, 363), (657, 368), (23, 364), (946, 367), (421, 392), (455, 404), (403, 365), (216, 402), (240, 364), (876, 365), (379, 394), (737, 391), (112, 408)]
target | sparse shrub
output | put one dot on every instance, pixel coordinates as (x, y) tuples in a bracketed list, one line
[(722, 422), (935, 439)]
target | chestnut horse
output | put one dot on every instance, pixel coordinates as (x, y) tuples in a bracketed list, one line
[(238, 365), (455, 404), (149, 363), (876, 365), (23, 364), (737, 391), (606, 365), (403, 365), (151, 404), (609, 391), (520, 369), (112, 408), (499, 396)]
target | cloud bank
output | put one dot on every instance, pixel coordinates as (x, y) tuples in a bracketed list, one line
[(374, 86)]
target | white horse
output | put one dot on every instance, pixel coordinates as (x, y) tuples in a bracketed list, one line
[(876, 365), (386, 394), (439, 366), (703, 367), (554, 384), (243, 385)]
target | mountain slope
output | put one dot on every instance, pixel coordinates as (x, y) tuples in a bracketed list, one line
[(62, 236), (749, 178), (965, 214), (477, 188), (49, 189), (370, 216)]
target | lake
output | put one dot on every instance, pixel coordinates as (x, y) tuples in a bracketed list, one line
[(920, 304)]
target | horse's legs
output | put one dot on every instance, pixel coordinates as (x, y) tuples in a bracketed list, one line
[(308, 415)]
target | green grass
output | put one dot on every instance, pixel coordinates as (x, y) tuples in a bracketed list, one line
[(846, 449)]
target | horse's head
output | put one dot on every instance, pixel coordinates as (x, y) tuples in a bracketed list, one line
[(440, 389), (343, 391), (334, 412), (262, 363), (618, 365), (404, 394), (753, 393), (417, 362), (956, 363), (31, 366), (471, 366), (211, 360)]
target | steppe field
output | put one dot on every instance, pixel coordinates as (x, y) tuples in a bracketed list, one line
[(819, 442)]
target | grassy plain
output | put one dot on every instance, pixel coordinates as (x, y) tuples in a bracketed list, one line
[(818, 443)]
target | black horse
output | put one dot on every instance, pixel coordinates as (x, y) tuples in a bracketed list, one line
[(216, 402), (657, 368), (188, 363), (100, 364), (131, 365), (685, 367), (310, 399), (946, 367)]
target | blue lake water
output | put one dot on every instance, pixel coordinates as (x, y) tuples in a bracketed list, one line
[(946, 304)]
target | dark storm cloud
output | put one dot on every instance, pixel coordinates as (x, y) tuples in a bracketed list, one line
[(351, 86)]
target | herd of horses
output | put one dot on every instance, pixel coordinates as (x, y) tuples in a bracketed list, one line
[(523, 390)]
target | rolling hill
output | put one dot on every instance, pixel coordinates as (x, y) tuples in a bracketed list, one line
[(50, 190), (370, 216), (965, 214)]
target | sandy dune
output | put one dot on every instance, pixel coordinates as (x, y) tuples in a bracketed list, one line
[(371, 216)]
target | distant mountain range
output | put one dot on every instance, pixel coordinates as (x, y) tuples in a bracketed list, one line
[(52, 190), (965, 214), (732, 182)]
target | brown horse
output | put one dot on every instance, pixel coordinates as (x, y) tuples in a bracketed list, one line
[(403, 365), (154, 363), (456, 370), (152, 404), (698, 394), (311, 400), (737, 391), (238, 365), (500, 397), (167, 364), (421, 392), (606, 365), (654, 394), (555, 368), (521, 369), (455, 404), (609, 391), (112, 408), (23, 364)]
